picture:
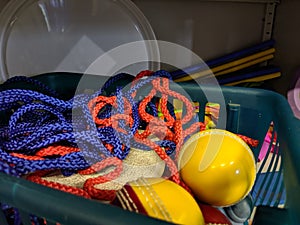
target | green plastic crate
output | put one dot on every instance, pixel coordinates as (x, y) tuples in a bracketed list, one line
[(248, 112)]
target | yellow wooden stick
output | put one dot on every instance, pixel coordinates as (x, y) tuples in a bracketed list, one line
[(256, 79), (245, 65), (228, 65)]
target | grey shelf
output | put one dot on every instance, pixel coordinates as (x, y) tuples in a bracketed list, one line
[(269, 13)]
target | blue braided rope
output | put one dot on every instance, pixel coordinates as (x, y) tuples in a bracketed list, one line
[(8, 213), (39, 136), (33, 81), (12, 214), (12, 104), (5, 168), (29, 108), (111, 81), (120, 152), (27, 96), (162, 73), (73, 161)]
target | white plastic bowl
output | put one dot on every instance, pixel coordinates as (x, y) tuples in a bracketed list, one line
[(41, 36)]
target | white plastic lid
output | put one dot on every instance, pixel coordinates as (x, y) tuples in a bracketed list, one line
[(41, 36)]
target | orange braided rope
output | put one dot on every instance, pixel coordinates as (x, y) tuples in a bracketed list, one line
[(37, 178)]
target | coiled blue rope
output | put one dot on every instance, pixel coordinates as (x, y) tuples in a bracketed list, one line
[(38, 120)]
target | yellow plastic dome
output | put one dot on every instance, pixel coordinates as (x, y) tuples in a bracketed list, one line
[(161, 199), (218, 166)]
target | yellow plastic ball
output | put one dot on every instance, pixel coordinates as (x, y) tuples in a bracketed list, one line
[(161, 199), (218, 166)]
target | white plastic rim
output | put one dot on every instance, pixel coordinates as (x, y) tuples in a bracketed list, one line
[(40, 36)]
